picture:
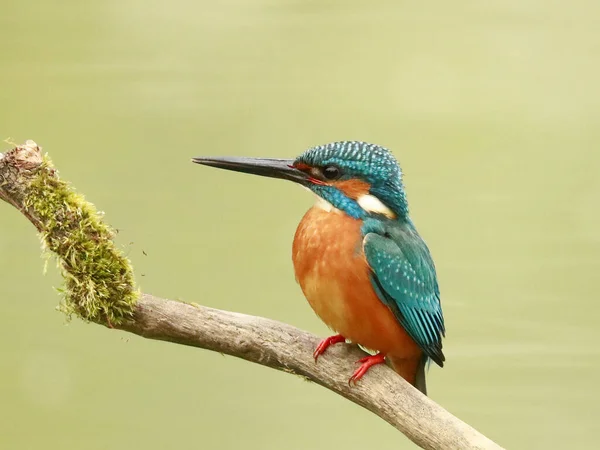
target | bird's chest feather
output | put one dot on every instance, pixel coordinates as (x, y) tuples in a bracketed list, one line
[(330, 265), (334, 275)]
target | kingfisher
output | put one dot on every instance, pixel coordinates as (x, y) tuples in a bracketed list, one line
[(359, 260)]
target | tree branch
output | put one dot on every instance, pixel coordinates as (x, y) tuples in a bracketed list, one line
[(99, 288)]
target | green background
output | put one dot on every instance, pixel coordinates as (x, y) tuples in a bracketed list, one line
[(492, 109)]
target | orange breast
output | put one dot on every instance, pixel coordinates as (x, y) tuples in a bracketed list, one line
[(334, 276)]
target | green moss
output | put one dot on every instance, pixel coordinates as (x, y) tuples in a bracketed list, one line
[(99, 284)]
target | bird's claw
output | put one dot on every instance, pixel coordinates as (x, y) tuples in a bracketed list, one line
[(365, 364), (325, 343)]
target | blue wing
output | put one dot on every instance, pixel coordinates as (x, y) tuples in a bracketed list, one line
[(403, 275)]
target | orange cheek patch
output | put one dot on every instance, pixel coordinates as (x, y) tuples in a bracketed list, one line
[(353, 188)]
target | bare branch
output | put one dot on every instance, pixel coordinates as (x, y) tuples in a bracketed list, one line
[(99, 288)]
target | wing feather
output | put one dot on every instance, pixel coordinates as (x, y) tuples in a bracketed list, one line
[(403, 275)]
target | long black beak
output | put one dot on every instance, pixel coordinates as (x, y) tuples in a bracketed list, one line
[(265, 167)]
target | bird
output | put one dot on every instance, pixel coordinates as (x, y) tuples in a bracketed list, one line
[(357, 255)]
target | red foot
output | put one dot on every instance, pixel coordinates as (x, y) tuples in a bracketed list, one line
[(325, 343), (366, 364)]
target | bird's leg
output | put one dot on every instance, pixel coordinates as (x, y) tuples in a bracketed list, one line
[(325, 343), (365, 365)]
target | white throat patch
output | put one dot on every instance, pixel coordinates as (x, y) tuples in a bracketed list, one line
[(368, 202), (326, 206)]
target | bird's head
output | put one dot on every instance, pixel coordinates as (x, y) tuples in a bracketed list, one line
[(357, 178)]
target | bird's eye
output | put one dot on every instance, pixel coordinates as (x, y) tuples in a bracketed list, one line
[(331, 172)]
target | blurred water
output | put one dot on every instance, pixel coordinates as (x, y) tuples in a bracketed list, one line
[(492, 109)]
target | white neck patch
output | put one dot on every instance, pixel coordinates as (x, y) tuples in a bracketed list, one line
[(372, 204), (368, 202)]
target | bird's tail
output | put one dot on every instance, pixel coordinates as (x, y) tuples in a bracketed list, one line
[(412, 370), (420, 382)]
